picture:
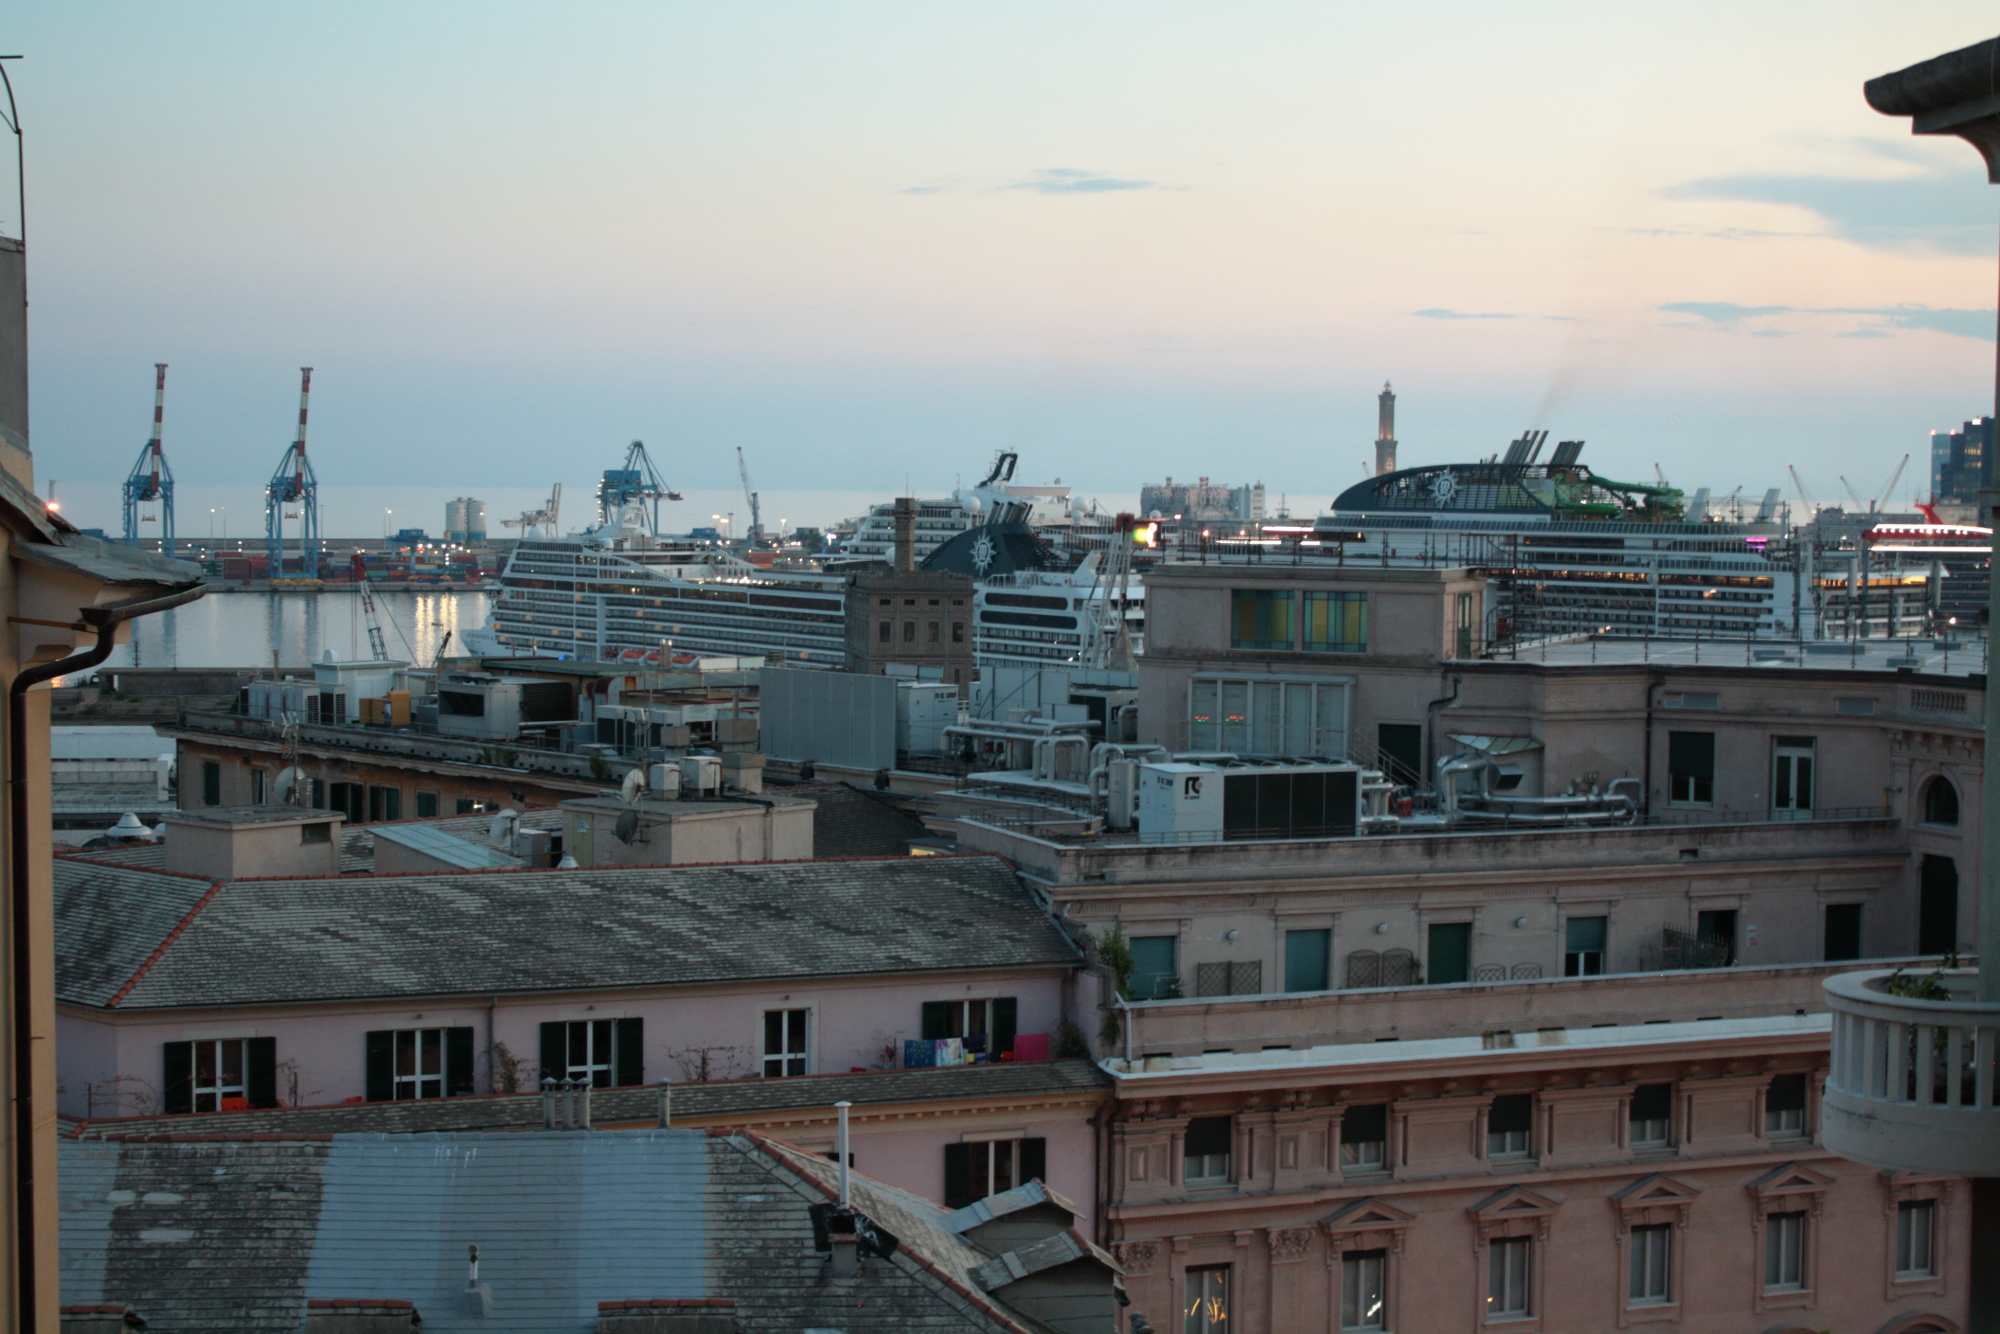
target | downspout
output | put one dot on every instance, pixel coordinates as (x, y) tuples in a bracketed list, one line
[(491, 1006), (1430, 723), (1653, 683), (105, 621)]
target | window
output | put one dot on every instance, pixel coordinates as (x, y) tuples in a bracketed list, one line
[(1652, 1249), (909, 632), (1940, 802), (463, 805), (260, 787), (1791, 774), (1363, 1293), (220, 1075), (318, 791), (315, 833), (1267, 716), (410, 1063), (211, 783), (972, 1171), (1364, 1138), (1260, 618), (1155, 968), (427, 805), (785, 1051), (1583, 946), (1305, 960), (1450, 953), (958, 632), (1860, 708), (937, 632), (1785, 1105), (1336, 622), (1509, 1125), (351, 800), (1242, 978), (986, 1025), (1916, 1244), (1650, 1119), (1508, 1261), (1205, 1150), (1716, 929), (884, 632), (1937, 905), (1843, 931), (1401, 749), (1785, 1252), (1691, 768), (1207, 1301), (385, 803), (607, 1052)]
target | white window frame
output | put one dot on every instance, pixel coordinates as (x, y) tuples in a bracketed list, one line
[(786, 1057), (1326, 721), (1356, 1270), (593, 1060), (1650, 1271), (1200, 1299), (1786, 758), (1503, 1272), (1907, 1211), (419, 1039), (217, 1090), (1208, 1161), (991, 1145), (1778, 1226), (1500, 1144)]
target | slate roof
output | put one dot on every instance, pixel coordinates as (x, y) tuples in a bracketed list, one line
[(241, 1235), (110, 920), (711, 1102), (281, 941), (851, 822)]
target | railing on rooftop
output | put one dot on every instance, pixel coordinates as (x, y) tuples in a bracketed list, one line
[(1915, 1078)]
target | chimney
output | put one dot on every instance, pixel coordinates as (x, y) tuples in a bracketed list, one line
[(906, 534), (476, 1302)]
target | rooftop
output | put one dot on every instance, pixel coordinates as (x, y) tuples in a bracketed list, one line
[(1960, 661), (238, 816), (144, 939)]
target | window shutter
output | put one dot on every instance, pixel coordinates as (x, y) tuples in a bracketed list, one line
[(555, 1056), (1004, 1022), (457, 1062), (380, 1084), (937, 1018), (958, 1175), (179, 1081), (1033, 1161), (260, 1071), (629, 1038)]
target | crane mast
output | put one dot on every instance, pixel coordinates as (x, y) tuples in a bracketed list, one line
[(294, 484), (756, 515)]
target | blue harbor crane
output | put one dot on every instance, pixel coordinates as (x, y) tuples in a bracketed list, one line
[(638, 481), (293, 484), (151, 481)]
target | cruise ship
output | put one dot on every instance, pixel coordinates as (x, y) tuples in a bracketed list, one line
[(622, 591)]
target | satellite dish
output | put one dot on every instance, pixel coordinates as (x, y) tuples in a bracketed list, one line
[(286, 786), (633, 786), (627, 825)]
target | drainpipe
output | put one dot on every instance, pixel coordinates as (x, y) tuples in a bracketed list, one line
[(1653, 684), (105, 621), (1430, 722)]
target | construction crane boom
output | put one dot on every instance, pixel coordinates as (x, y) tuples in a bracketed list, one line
[(756, 515), (1804, 499), (1889, 491), (376, 646), (545, 518)]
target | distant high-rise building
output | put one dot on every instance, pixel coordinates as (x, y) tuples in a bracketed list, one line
[(1385, 431), (1962, 462)]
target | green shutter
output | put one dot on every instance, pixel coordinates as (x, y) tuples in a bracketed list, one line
[(1450, 953), (260, 1071), (1305, 960), (628, 1036), (1034, 1161), (555, 1053), (957, 1175), (380, 1084), (937, 1018), (458, 1062), (1005, 1009), (179, 1080)]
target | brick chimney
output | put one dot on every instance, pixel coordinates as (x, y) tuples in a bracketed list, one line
[(906, 534)]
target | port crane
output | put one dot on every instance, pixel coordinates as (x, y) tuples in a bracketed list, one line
[(756, 515), (376, 646), (151, 481), (544, 518), (1110, 646), (638, 482), (294, 484)]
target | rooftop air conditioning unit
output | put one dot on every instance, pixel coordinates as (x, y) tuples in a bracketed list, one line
[(1202, 802), (701, 775)]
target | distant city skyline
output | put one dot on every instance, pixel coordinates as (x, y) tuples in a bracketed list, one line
[(873, 244)]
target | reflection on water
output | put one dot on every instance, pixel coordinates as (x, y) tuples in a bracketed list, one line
[(241, 629)]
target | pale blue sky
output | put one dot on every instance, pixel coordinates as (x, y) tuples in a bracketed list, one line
[(873, 242)]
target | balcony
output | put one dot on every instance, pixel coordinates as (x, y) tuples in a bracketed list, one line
[(1912, 1085)]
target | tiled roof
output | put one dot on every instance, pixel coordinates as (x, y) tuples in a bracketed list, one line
[(111, 920), (850, 822), (244, 1235), (713, 1103), (351, 938)]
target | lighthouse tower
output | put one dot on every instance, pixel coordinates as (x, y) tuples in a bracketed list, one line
[(1385, 432)]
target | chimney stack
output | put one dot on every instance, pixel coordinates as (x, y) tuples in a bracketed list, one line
[(906, 534)]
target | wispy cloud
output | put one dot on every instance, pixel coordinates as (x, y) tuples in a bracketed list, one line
[(1959, 323), (1943, 206), (1071, 181), (921, 190), (1436, 313)]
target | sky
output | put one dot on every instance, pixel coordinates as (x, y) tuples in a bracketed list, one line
[(870, 244)]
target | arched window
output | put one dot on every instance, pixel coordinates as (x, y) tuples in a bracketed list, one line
[(1940, 802)]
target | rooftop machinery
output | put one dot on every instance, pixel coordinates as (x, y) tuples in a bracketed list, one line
[(151, 481), (638, 482), (293, 484)]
